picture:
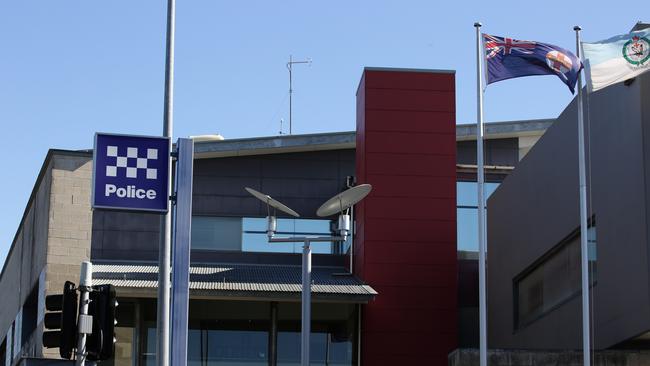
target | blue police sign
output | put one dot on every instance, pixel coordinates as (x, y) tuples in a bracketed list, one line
[(130, 172)]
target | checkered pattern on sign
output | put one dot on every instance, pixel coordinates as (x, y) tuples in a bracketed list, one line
[(132, 163)]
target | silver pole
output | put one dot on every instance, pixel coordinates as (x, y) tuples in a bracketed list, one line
[(306, 304), (182, 237), (290, 65), (164, 252), (85, 283), (481, 203), (584, 250)]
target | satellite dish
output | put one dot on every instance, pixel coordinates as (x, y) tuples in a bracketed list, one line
[(344, 200), (271, 202)]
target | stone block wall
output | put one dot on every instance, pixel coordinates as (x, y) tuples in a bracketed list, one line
[(70, 223)]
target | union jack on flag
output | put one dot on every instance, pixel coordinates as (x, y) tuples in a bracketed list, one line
[(507, 58), (494, 45)]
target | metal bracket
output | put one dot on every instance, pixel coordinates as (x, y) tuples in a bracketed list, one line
[(85, 324), (174, 154)]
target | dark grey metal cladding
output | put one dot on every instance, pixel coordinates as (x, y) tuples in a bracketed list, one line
[(125, 235), (503, 152), (537, 206), (303, 181)]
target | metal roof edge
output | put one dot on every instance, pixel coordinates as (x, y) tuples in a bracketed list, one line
[(275, 144), (505, 129), (347, 139), (407, 69)]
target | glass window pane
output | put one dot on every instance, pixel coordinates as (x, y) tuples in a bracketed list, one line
[(248, 234), (467, 193), (467, 229), (254, 237), (331, 341), (236, 347), (195, 347), (216, 233)]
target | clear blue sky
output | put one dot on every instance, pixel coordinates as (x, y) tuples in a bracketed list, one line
[(70, 68)]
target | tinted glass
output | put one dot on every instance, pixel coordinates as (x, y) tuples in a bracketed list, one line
[(467, 214), (467, 193), (216, 233), (248, 234)]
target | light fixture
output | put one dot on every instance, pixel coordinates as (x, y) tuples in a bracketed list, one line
[(341, 204)]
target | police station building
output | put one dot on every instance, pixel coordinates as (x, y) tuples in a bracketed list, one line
[(402, 290)]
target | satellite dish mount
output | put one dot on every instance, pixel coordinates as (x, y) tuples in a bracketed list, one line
[(341, 204)]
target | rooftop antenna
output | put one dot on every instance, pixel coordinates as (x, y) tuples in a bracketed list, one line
[(281, 122), (290, 67)]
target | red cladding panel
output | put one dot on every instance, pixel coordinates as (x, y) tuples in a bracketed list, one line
[(406, 228), (412, 253)]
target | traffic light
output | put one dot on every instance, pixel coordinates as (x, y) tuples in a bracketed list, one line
[(101, 343), (62, 320)]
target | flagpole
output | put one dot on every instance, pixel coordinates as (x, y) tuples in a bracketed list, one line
[(586, 353), (481, 203)]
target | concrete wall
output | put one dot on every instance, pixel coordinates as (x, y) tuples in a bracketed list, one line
[(470, 357), (536, 207), (27, 256)]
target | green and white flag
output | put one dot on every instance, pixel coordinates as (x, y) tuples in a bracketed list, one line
[(616, 59)]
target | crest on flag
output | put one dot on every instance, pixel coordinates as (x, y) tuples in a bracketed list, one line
[(616, 59), (636, 51), (559, 62)]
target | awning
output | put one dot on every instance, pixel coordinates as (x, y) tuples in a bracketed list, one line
[(239, 281)]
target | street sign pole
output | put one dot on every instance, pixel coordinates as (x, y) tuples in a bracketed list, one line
[(305, 329), (164, 251), (84, 322), (182, 236)]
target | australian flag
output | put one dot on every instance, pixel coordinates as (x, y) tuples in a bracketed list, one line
[(508, 58)]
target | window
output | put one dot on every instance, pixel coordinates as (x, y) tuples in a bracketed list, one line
[(332, 340), (125, 335), (467, 213), (29, 315), (554, 280), (227, 333), (222, 233), (248, 234)]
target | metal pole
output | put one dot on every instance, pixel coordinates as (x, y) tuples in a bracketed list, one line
[(481, 203), (584, 250), (273, 335), (85, 284), (290, 65), (164, 254), (306, 304), (182, 236)]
